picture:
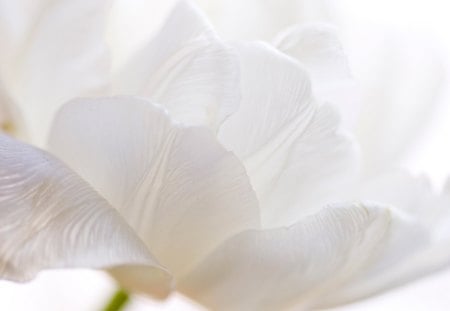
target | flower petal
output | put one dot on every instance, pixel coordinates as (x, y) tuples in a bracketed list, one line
[(317, 47), (177, 186), (187, 69), (295, 266), (408, 257), (132, 24), (16, 22), (63, 55), (292, 147), (275, 91), (51, 218)]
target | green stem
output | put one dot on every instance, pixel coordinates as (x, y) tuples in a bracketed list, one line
[(117, 301)]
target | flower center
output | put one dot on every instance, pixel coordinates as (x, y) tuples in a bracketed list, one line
[(7, 126)]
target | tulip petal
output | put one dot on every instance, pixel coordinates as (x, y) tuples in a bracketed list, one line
[(294, 266), (317, 47), (187, 69), (275, 91), (293, 149), (16, 22), (407, 258), (62, 55), (132, 24), (50, 218), (177, 186)]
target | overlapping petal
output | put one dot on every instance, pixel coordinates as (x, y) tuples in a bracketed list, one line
[(318, 48), (57, 53), (50, 218), (293, 266), (185, 68), (177, 186), (386, 94), (296, 155), (187, 197), (409, 255)]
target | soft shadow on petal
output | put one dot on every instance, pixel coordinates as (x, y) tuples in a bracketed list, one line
[(177, 186), (51, 218), (62, 55), (187, 69), (291, 266), (296, 155)]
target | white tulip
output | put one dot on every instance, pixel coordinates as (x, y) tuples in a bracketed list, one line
[(218, 172)]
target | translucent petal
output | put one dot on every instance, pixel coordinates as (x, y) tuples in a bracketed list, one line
[(51, 218), (317, 46), (176, 186), (60, 55), (296, 155), (185, 68), (409, 256), (290, 266)]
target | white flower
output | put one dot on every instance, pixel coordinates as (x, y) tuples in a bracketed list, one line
[(227, 174), (396, 77)]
